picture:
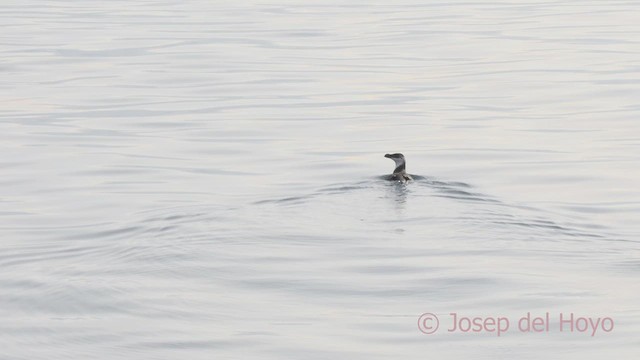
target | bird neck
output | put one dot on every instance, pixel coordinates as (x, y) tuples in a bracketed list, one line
[(400, 168)]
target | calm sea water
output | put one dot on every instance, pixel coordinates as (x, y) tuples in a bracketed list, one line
[(198, 179)]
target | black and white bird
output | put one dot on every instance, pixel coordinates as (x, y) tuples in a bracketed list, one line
[(399, 173)]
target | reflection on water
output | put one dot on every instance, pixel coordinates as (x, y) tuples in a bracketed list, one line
[(399, 192), (198, 180)]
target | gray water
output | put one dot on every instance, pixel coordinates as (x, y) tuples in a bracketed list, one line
[(202, 180)]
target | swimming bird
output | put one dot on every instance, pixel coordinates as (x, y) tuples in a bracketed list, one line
[(399, 173)]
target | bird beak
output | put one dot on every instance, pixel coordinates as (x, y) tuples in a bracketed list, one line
[(387, 155)]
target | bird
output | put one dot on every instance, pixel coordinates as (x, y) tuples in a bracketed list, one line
[(399, 173)]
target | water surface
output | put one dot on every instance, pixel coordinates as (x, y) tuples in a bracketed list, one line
[(202, 179)]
